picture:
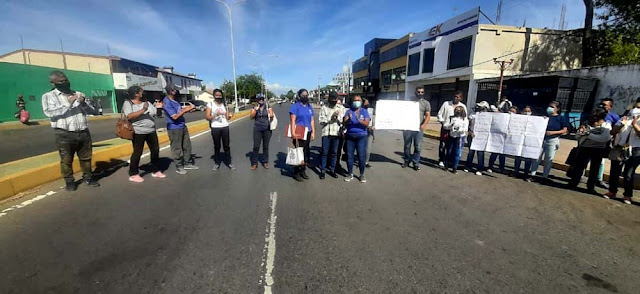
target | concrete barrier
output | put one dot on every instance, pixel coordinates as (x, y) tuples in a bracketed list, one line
[(48, 170)]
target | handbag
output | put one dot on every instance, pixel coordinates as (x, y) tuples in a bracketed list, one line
[(295, 155), (124, 128), (621, 153), (274, 123)]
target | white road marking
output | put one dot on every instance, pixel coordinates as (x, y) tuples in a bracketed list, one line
[(26, 203), (270, 245), (40, 197)]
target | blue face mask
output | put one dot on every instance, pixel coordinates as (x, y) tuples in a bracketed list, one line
[(550, 110), (357, 104)]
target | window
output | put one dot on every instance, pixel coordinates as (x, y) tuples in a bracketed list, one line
[(399, 74), (427, 60), (386, 77), (414, 64), (459, 53)]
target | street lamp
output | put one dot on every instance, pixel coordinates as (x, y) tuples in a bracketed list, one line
[(233, 54), (263, 75)]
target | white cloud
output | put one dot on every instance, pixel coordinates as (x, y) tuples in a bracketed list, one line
[(281, 89)]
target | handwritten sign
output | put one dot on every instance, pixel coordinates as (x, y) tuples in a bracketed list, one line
[(397, 115), (512, 134)]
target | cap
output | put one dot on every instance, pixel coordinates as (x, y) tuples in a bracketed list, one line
[(333, 95), (483, 104), (259, 97), (171, 87)]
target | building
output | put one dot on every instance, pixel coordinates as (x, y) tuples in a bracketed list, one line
[(393, 69), (206, 96), (453, 55), (190, 86), (26, 72), (127, 73), (366, 70)]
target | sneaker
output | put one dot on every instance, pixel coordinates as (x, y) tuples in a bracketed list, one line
[(322, 176), (478, 173), (304, 175), (363, 179), (405, 164), (181, 171), (216, 166), (92, 183), (231, 167), (416, 167), (603, 184), (608, 195), (367, 165), (441, 164), (333, 174), (348, 178), (627, 200), (465, 170), (254, 166), (489, 171), (71, 186), (297, 177), (136, 179), (454, 171), (190, 166), (159, 175)]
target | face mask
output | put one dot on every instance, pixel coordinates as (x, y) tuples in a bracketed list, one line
[(550, 110), (64, 87), (420, 96), (527, 113), (261, 102), (357, 104), (304, 99), (218, 100), (333, 103)]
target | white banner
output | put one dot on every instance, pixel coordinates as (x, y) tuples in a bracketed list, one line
[(512, 134), (397, 115)]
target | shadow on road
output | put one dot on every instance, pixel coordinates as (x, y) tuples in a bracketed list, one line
[(106, 168)]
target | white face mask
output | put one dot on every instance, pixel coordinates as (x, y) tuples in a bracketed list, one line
[(527, 113)]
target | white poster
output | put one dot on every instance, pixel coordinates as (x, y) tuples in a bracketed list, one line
[(397, 115), (512, 134)]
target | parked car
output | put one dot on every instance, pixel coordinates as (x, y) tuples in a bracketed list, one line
[(200, 105), (187, 104)]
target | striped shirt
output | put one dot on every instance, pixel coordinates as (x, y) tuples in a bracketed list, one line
[(64, 115), (330, 127)]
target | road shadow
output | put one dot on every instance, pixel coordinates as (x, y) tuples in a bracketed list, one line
[(281, 163), (381, 158), (163, 164), (107, 168)]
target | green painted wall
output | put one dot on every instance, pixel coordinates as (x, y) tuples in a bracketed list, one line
[(33, 81)]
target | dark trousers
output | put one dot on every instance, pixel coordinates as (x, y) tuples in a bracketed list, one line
[(442, 148), (614, 176), (454, 152), (264, 137), (330, 151), (307, 153), (472, 153), (138, 146), (180, 146), (527, 165), (629, 173), (501, 159), (586, 154), (356, 142), (69, 144), (341, 149), (221, 139)]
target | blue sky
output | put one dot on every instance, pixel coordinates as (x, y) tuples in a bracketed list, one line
[(313, 39)]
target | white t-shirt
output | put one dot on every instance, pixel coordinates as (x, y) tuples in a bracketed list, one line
[(219, 113)]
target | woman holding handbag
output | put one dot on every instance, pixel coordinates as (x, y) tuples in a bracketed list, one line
[(141, 115), (625, 152), (592, 144), (301, 121), (262, 114)]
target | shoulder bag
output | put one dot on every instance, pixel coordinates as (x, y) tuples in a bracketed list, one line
[(621, 152), (124, 128)]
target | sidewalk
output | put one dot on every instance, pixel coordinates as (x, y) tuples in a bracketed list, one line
[(24, 174), (433, 132)]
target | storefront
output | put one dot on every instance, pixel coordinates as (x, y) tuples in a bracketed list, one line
[(122, 81)]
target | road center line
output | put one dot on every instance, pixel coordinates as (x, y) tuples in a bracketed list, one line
[(40, 197), (270, 244)]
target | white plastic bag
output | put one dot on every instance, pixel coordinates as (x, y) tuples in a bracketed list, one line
[(274, 123), (295, 156)]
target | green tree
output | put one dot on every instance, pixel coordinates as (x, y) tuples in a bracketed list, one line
[(291, 95), (617, 38)]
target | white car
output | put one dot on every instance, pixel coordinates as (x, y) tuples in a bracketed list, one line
[(187, 104)]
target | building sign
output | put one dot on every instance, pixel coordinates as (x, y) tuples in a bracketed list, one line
[(122, 81), (343, 77), (460, 22)]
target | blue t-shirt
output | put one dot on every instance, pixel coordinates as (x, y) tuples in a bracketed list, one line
[(304, 114), (172, 107), (556, 123), (353, 125), (612, 118)]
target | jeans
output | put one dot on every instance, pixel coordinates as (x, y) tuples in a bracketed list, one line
[(630, 171), (454, 152), (221, 139), (415, 138), (180, 146), (586, 155), (70, 143), (329, 149), (356, 142), (138, 146), (527, 165), (472, 153), (549, 148), (264, 137), (442, 148), (501, 159), (614, 176)]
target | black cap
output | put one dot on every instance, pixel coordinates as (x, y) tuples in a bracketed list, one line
[(333, 95), (170, 88)]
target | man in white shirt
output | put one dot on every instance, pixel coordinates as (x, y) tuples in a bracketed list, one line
[(68, 112), (446, 111)]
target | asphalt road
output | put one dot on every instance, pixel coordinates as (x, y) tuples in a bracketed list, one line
[(39, 139), (402, 232)]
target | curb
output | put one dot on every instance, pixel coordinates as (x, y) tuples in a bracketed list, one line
[(28, 179), (12, 125), (556, 165)]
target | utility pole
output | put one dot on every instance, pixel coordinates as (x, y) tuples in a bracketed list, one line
[(64, 58), (503, 65), (499, 12), (24, 55)]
